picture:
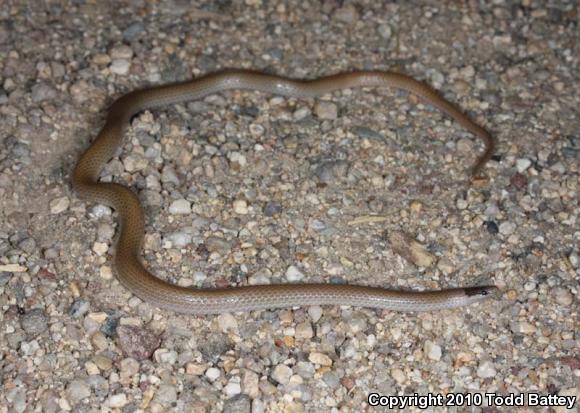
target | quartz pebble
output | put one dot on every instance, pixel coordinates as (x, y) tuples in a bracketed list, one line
[(319, 358), (241, 207), (117, 400), (432, 350), (212, 374), (398, 375), (523, 164), (59, 205), (282, 374), (293, 274), (180, 207), (486, 369)]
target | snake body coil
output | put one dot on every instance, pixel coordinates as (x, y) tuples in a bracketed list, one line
[(148, 287)]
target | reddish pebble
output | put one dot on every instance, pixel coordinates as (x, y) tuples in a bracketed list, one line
[(519, 181), (347, 382)]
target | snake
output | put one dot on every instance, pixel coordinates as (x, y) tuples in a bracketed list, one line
[(127, 261)]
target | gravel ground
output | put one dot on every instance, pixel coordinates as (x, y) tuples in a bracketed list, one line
[(243, 188)]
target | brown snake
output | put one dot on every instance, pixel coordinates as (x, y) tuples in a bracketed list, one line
[(148, 287)]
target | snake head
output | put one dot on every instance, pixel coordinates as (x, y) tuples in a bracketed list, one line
[(482, 292)]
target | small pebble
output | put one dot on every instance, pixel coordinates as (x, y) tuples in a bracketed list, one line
[(77, 390), (59, 205), (326, 110), (34, 322), (398, 375), (315, 312), (523, 164), (212, 374), (42, 92), (250, 381), (120, 66), (180, 207), (432, 350), (117, 400), (320, 358), (240, 403), (100, 248), (486, 370), (179, 239), (136, 342), (304, 331), (507, 228), (233, 387), (166, 395), (563, 296), (241, 207), (227, 322), (346, 14), (519, 181), (523, 327), (282, 374), (219, 245), (293, 274)]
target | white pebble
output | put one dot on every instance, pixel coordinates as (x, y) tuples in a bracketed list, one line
[(100, 248), (12, 268), (523, 164), (486, 370), (301, 113), (59, 205), (233, 387), (180, 207), (530, 286), (212, 374), (282, 374), (118, 400), (315, 312), (320, 358), (179, 239), (165, 356), (106, 272), (432, 350), (120, 66), (398, 375), (227, 322), (507, 228), (240, 207), (293, 274), (199, 277), (133, 163)]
